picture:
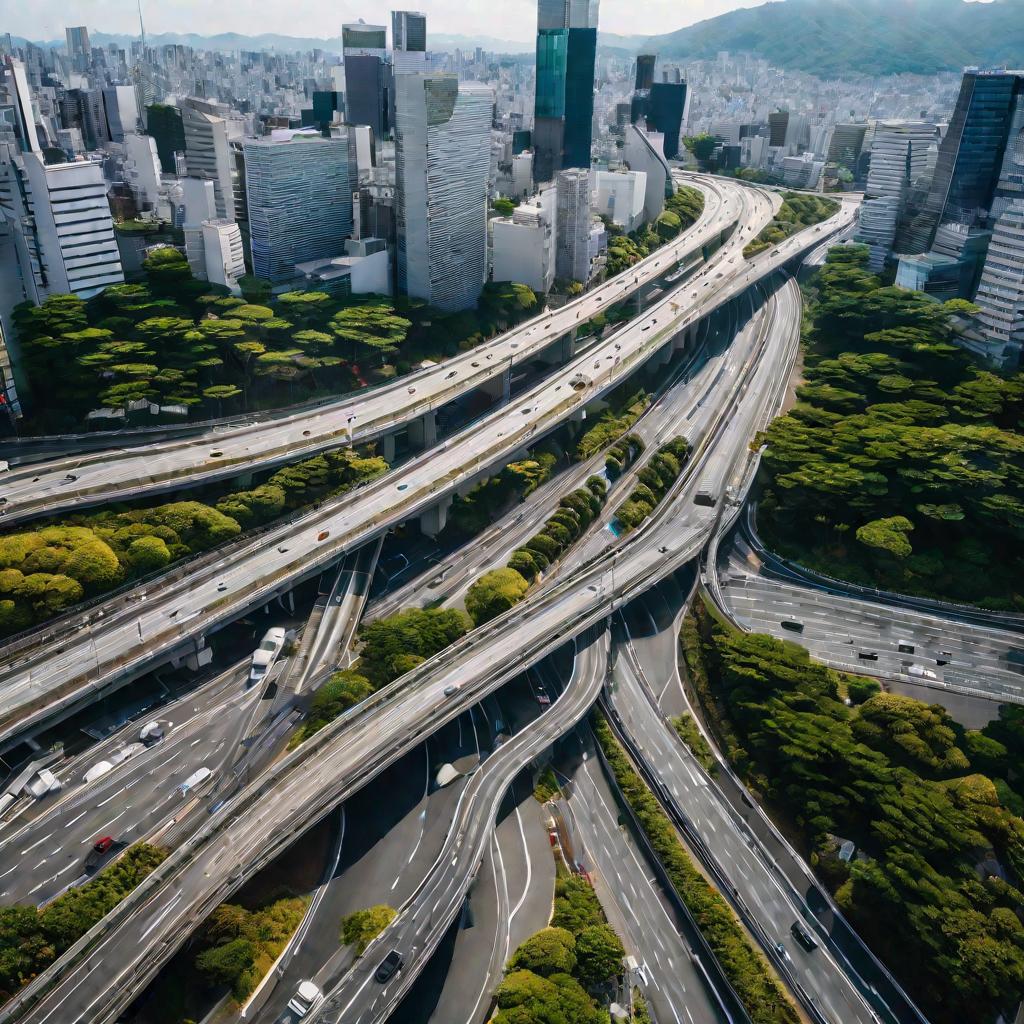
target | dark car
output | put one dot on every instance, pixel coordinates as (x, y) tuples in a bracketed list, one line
[(392, 963), (803, 936)]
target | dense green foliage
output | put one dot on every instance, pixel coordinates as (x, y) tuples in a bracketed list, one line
[(31, 939), (681, 211), (493, 593), (342, 691), (701, 146), (743, 964), (624, 409), (241, 945), (796, 213), (902, 464), (361, 927), (655, 479), (476, 511), (691, 735), (47, 569), (177, 341), (621, 454), (833, 38), (934, 888), (397, 644), (549, 975)]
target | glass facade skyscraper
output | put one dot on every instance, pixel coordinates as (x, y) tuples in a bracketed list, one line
[(564, 103), (666, 107)]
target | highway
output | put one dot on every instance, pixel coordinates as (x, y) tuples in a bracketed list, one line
[(751, 885), (82, 653), (423, 920), (295, 792), (837, 629), (230, 449)]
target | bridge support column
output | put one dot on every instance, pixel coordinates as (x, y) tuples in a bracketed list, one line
[(244, 480), (423, 431), (433, 521), (386, 447), (499, 389)]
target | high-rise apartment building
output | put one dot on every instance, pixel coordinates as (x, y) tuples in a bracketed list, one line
[(572, 225), (299, 198), (408, 31), (846, 144), (442, 164), (564, 101)]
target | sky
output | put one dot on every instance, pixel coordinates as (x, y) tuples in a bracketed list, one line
[(509, 19)]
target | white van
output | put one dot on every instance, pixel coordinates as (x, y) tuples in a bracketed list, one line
[(200, 775), (97, 771), (306, 999), (266, 654)]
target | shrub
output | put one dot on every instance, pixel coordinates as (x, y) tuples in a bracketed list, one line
[(549, 951), (361, 927), (495, 592)]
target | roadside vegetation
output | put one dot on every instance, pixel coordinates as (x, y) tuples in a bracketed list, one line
[(565, 971), (624, 409), (31, 939), (176, 341), (902, 464), (240, 945), (654, 481), (744, 965), (932, 808), (48, 568), (681, 212), (690, 734), (797, 212), (498, 590), (361, 927)]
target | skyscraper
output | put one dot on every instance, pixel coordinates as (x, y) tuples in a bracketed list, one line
[(208, 152), (408, 31), (1001, 292), (367, 81), (442, 164), (79, 51), (299, 196), (645, 71), (564, 103), (666, 113), (572, 225), (971, 153)]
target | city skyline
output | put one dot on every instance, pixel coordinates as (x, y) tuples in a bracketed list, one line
[(515, 21)]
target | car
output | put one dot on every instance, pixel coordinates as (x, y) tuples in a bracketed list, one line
[(402, 487), (803, 936), (390, 965), (450, 374), (307, 998), (323, 535), (104, 844), (781, 950), (646, 327), (450, 691), (793, 625), (474, 364), (412, 391), (867, 655), (216, 455), (306, 433)]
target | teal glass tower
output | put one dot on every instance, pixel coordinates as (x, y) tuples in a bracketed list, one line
[(564, 104)]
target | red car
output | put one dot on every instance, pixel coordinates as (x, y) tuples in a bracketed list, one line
[(104, 844)]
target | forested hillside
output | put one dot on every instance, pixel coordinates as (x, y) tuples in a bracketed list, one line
[(902, 464)]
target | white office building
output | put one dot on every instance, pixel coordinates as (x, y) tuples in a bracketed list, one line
[(299, 196), (442, 162), (572, 225), (523, 245), (1001, 292), (645, 151), (208, 150), (142, 170), (619, 196)]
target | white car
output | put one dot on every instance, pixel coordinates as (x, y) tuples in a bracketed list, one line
[(307, 998), (266, 654)]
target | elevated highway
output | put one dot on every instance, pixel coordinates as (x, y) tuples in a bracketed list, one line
[(84, 654)]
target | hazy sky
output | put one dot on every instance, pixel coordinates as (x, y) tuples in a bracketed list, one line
[(506, 19)]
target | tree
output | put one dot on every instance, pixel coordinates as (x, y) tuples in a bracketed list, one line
[(549, 951), (375, 326), (166, 268), (503, 207), (220, 392), (226, 964), (361, 927), (701, 146), (599, 955), (493, 593)]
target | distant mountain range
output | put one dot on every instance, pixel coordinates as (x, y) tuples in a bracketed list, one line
[(824, 37), (836, 37)]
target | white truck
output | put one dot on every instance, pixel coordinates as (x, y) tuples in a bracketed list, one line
[(306, 999), (920, 672), (266, 654)]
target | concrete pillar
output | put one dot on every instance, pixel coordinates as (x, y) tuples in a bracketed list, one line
[(423, 431), (433, 521), (499, 389), (386, 445), (244, 481)]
